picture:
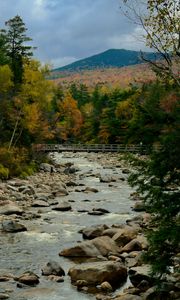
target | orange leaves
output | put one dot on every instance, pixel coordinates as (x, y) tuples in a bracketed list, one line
[(169, 102), (70, 118)]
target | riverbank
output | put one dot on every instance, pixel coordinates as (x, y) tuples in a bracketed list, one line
[(81, 203)]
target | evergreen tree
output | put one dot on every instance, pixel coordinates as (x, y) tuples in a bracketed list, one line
[(14, 41)]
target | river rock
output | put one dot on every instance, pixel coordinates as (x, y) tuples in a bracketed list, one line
[(139, 206), (95, 212), (40, 203), (47, 167), (53, 268), (8, 207), (106, 286), (56, 278), (93, 231), (106, 179), (71, 170), (128, 297), (98, 272), (27, 189), (90, 189), (110, 232), (133, 245), (138, 274), (60, 191), (125, 235), (12, 226), (28, 278), (102, 297), (93, 248), (4, 296), (152, 293), (63, 206), (98, 211)]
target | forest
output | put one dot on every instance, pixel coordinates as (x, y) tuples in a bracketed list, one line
[(36, 110)]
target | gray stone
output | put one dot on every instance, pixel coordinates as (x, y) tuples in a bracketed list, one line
[(28, 278), (40, 203), (103, 245), (138, 274), (93, 231), (4, 296), (8, 207), (63, 206), (128, 297), (125, 235), (152, 293), (53, 268), (139, 206), (98, 272), (106, 286), (47, 167), (91, 189), (12, 226), (133, 245)]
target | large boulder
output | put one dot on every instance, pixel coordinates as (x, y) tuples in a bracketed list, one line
[(139, 274), (103, 245), (8, 207), (93, 231), (98, 272), (125, 235), (133, 245), (153, 293)]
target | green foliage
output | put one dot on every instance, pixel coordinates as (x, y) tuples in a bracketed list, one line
[(15, 162), (157, 179), (13, 42), (4, 172)]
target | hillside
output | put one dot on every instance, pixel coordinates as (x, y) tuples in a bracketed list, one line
[(108, 59), (120, 77)]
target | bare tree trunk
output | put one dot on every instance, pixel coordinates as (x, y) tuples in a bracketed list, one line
[(13, 134)]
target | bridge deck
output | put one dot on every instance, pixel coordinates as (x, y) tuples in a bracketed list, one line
[(89, 148)]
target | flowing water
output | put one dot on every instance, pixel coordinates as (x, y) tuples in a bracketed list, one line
[(54, 231)]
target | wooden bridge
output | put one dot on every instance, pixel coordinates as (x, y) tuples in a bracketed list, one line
[(89, 148)]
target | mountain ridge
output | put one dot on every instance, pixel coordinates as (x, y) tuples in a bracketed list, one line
[(108, 59)]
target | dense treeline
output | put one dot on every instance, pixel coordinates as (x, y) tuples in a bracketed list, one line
[(35, 110)]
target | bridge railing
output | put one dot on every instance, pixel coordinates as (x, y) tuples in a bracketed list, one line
[(90, 147)]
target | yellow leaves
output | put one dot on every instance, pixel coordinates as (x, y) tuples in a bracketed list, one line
[(5, 79), (124, 109), (35, 87), (32, 117), (104, 134)]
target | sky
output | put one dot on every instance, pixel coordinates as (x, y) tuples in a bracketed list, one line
[(68, 30)]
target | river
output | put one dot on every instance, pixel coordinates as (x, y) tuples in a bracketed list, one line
[(54, 231)]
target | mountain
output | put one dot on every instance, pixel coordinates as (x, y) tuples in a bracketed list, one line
[(108, 59)]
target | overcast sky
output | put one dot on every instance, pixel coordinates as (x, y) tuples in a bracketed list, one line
[(68, 30)]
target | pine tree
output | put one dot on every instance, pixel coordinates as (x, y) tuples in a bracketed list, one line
[(13, 40)]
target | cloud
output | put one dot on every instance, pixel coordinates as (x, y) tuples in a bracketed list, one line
[(66, 30)]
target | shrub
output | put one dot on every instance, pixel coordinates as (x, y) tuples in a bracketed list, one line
[(4, 172)]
